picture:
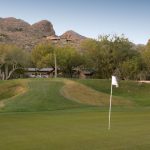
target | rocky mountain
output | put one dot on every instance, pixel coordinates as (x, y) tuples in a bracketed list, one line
[(73, 36), (43, 29), (18, 32)]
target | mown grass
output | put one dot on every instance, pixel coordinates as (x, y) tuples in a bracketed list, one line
[(45, 94), (41, 95), (75, 130), (42, 119)]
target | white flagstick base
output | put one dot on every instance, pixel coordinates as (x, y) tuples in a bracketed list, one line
[(110, 107)]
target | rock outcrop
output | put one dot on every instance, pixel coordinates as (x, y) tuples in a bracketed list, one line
[(73, 36), (18, 32), (43, 28)]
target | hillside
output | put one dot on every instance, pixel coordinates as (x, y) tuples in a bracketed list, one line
[(18, 32), (21, 33)]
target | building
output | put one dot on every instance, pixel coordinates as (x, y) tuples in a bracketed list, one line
[(39, 73)]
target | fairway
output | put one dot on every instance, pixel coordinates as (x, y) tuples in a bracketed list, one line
[(41, 117)]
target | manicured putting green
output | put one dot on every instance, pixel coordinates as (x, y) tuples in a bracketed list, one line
[(79, 129)]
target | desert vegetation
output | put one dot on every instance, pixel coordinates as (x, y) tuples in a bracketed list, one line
[(105, 56)]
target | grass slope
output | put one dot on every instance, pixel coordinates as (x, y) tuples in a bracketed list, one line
[(86, 95), (51, 94), (133, 91), (41, 95), (11, 88)]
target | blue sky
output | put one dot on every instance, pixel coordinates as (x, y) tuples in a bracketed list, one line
[(87, 17)]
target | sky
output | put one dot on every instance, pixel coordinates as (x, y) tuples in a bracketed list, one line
[(90, 18)]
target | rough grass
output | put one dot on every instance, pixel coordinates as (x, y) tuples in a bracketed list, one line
[(86, 95), (134, 91), (9, 89)]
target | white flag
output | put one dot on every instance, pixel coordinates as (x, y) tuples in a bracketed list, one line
[(114, 81)]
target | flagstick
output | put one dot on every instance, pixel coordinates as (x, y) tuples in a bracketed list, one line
[(110, 107), (55, 61)]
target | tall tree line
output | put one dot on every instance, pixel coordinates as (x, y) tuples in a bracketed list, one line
[(106, 55)]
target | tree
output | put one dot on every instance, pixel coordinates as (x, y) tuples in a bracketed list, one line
[(43, 55), (145, 54), (2, 60), (106, 54), (12, 58), (131, 68), (68, 59)]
